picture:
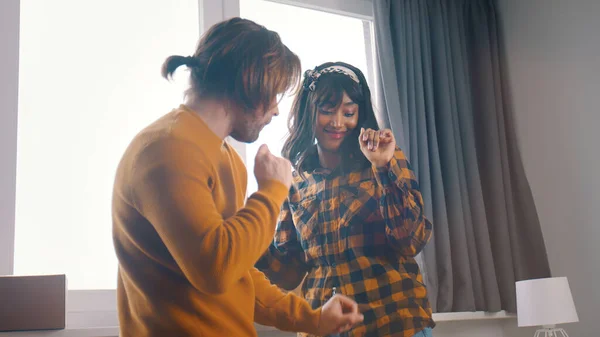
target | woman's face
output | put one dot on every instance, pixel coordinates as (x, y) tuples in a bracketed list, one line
[(335, 124)]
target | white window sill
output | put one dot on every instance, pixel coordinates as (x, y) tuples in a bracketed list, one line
[(442, 317), (113, 331), (471, 316)]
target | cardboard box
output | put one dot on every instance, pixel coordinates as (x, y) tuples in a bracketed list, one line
[(33, 302)]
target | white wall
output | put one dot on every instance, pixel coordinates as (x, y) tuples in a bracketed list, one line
[(9, 85), (553, 49)]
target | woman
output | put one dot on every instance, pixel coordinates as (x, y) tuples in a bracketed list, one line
[(353, 221)]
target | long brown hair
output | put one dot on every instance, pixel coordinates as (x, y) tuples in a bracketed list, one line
[(239, 61), (300, 143)]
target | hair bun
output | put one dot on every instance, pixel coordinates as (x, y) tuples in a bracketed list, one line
[(191, 61)]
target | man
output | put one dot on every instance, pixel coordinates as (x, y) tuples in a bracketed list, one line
[(185, 241)]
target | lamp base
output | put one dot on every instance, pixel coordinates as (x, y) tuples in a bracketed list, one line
[(550, 332)]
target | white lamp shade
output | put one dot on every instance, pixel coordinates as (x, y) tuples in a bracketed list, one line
[(546, 301)]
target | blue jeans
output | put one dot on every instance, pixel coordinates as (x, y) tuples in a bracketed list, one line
[(424, 333)]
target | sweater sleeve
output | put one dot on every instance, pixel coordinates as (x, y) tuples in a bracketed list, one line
[(173, 189), (287, 312)]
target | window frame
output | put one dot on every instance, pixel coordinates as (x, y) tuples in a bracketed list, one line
[(9, 103), (97, 308)]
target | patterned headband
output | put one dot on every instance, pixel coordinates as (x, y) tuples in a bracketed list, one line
[(312, 76)]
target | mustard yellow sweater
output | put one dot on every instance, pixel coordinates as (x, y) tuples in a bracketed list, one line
[(187, 244)]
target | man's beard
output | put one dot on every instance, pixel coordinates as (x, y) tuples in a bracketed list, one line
[(246, 135)]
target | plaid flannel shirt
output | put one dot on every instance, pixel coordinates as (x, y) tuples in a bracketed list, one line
[(358, 233)]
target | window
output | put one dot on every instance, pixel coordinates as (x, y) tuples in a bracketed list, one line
[(317, 37), (89, 80)]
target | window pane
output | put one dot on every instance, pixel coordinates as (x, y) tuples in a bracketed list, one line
[(89, 81), (316, 37)]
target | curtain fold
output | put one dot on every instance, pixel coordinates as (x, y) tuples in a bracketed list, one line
[(442, 89)]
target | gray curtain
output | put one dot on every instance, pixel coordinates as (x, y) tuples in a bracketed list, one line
[(444, 96)]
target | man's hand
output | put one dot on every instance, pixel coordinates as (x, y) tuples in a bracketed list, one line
[(269, 167), (338, 315), (377, 146)]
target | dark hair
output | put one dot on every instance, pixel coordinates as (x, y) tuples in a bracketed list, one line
[(329, 89), (239, 61)]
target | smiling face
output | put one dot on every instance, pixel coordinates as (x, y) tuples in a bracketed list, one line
[(330, 113), (334, 124)]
